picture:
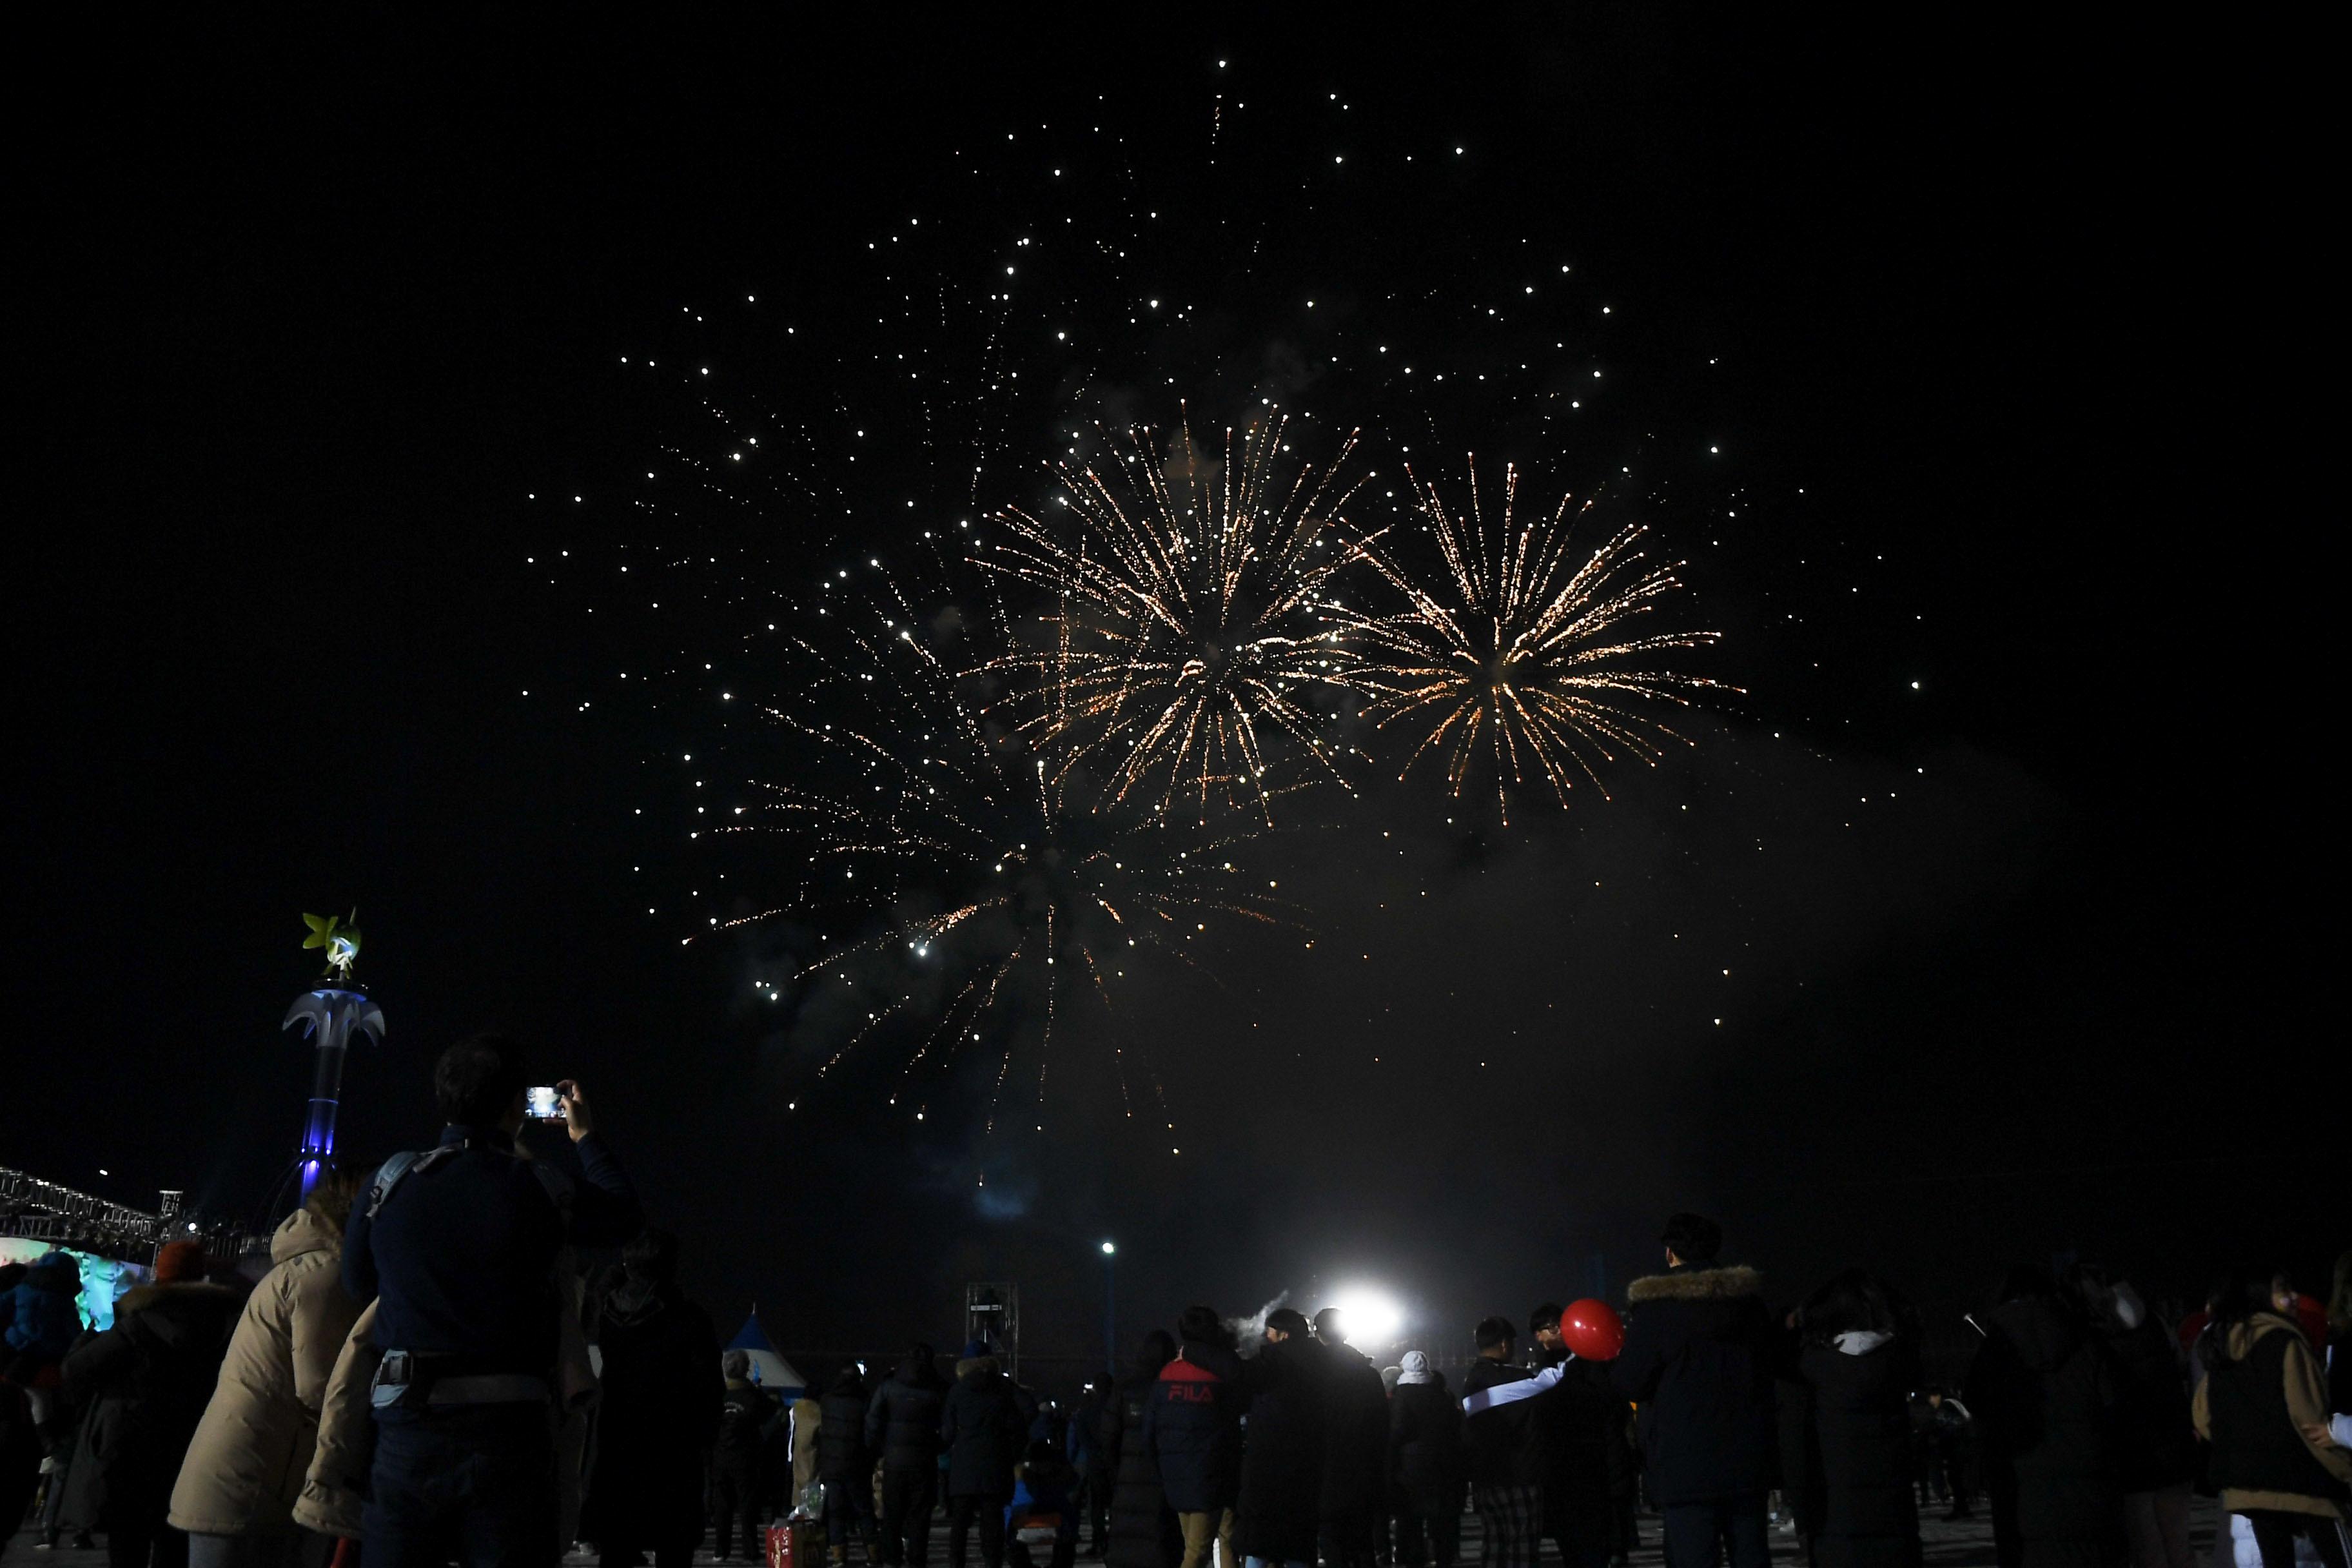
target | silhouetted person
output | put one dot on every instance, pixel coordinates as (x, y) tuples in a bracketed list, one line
[(2156, 1444), (1355, 1447), (738, 1454), (1143, 1529), (663, 1395), (902, 1425), (1425, 1441), (1501, 1452), (982, 1423), (844, 1462), (1700, 1354), (1851, 1468), (1276, 1522), (2045, 1394), (147, 1380), (458, 1246), (2264, 1405), (1192, 1434)]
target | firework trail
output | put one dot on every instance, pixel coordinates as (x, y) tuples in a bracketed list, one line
[(987, 902), (1522, 653), (1191, 629)]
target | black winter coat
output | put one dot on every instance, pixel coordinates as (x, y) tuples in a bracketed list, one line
[(1193, 1428), (1699, 1356), (2156, 1442), (1143, 1532), (902, 1423), (981, 1426), (1425, 1434), (1355, 1438), (842, 1454), (2044, 1395), (662, 1397), (146, 1382), (1587, 1438), (1499, 1442), (1280, 1510), (1851, 1467), (743, 1412)]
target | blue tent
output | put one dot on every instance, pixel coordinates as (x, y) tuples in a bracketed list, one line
[(769, 1370)]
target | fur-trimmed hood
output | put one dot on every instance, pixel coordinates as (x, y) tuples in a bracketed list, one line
[(1696, 1285)]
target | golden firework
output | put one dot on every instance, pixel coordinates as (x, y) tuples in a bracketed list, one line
[(1522, 653), (1189, 630)]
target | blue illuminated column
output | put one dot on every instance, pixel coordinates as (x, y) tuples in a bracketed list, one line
[(329, 1015)]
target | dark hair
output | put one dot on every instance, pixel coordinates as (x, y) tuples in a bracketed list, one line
[(1202, 1325), (652, 1253), (1546, 1316), (1693, 1237), (1493, 1331), (2242, 1293), (477, 1080), (1289, 1320), (1850, 1302), (1331, 1323), (1157, 1351), (920, 1353), (339, 1187)]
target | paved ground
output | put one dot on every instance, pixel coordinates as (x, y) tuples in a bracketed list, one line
[(1965, 1544)]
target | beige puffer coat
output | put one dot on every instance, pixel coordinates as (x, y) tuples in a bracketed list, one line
[(246, 1464)]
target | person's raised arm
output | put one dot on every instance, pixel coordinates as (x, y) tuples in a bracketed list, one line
[(604, 1209)]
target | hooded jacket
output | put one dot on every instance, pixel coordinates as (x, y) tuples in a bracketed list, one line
[(2044, 1395), (1853, 1470), (252, 1450), (2253, 1408), (1193, 1427), (1699, 1357), (1280, 1508), (902, 1423), (148, 1380), (1424, 1428), (46, 1315), (842, 1452), (981, 1425)]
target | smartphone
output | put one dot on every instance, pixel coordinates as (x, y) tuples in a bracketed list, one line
[(542, 1104)]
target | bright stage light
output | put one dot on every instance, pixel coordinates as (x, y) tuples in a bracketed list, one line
[(1368, 1317)]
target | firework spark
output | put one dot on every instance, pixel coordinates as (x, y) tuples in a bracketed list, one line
[(1522, 656), (988, 904), (1191, 630)]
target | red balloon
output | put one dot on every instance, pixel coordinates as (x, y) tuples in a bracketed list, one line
[(1593, 1329)]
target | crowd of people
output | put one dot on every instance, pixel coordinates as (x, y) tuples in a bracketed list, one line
[(425, 1376)]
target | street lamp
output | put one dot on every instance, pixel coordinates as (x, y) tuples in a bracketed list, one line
[(1110, 1308)]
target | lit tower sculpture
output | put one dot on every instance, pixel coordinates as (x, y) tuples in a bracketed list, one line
[(329, 1013)]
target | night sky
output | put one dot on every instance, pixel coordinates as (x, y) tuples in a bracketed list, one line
[(1959, 365)]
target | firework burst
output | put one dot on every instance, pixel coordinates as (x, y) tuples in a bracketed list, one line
[(1191, 627), (987, 905), (1522, 656)]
